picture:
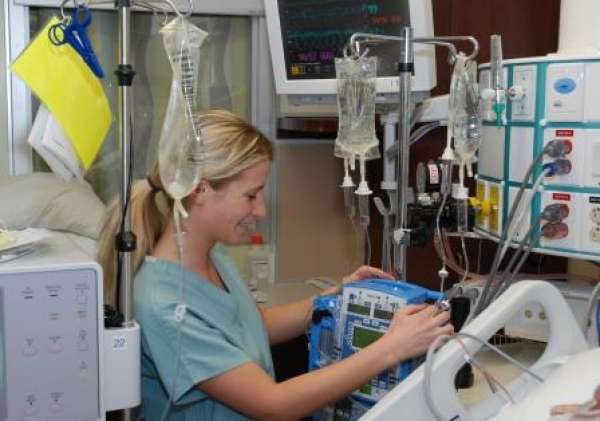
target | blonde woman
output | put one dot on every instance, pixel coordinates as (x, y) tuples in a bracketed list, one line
[(223, 369)]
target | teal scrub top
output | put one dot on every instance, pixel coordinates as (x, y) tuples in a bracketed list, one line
[(221, 330)]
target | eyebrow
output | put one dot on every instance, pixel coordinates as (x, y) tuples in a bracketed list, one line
[(255, 189)]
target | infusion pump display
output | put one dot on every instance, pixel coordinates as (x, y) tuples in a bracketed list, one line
[(314, 32)]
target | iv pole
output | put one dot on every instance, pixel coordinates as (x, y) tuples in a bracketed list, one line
[(125, 242), (401, 232)]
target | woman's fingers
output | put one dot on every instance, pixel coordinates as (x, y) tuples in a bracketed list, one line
[(365, 272)]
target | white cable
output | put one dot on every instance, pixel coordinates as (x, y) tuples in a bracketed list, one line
[(179, 316), (587, 322)]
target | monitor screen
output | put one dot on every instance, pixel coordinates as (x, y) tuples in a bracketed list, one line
[(362, 337), (307, 35)]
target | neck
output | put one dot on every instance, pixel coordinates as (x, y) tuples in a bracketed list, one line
[(196, 249)]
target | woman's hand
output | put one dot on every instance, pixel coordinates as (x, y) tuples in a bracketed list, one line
[(363, 272), (413, 329), (366, 272)]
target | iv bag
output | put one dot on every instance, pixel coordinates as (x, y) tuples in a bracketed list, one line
[(180, 150), (463, 101), (356, 104)]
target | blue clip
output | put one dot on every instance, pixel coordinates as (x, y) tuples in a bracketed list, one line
[(73, 32)]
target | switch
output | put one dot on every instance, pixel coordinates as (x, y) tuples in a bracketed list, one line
[(55, 406), (55, 346), (82, 342), (31, 407), (29, 350)]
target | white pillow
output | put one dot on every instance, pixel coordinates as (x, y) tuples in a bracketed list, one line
[(42, 200)]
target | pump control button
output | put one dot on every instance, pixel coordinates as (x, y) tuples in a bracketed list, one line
[(565, 85)]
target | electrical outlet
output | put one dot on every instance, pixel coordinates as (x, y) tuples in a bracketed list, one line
[(590, 224), (595, 234), (595, 214), (565, 234)]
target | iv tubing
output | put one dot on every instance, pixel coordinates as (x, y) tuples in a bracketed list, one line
[(181, 306)]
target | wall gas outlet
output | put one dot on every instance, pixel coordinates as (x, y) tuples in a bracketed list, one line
[(553, 234), (576, 156)]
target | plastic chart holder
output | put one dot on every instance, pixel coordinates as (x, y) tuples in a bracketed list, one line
[(69, 89)]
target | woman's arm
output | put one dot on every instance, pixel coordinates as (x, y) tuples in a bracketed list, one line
[(249, 390), (289, 321)]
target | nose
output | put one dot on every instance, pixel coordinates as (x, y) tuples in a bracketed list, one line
[(259, 209)]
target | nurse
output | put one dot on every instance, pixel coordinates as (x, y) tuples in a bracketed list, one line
[(218, 365)]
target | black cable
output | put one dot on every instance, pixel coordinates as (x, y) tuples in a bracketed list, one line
[(127, 200)]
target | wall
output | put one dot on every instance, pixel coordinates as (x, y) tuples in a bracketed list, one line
[(4, 162), (313, 236)]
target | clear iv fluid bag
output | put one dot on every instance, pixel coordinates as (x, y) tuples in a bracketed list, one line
[(356, 91), (466, 122), (180, 150)]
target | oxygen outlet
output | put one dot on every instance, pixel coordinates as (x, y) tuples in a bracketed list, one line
[(558, 148), (556, 212), (555, 230), (558, 167)]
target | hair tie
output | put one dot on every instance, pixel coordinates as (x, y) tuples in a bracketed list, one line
[(154, 187)]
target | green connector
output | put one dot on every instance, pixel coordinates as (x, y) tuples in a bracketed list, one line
[(499, 108)]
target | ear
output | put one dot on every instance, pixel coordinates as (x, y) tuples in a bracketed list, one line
[(200, 192)]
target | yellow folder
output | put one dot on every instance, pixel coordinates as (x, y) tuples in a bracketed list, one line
[(69, 89)]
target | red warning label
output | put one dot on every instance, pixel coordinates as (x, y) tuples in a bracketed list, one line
[(561, 196), (564, 133)]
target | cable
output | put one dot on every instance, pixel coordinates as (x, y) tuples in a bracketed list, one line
[(502, 354), (427, 392), (127, 201), (590, 309), (367, 244), (489, 378), (509, 273), (466, 256), (598, 322), (499, 250), (521, 262)]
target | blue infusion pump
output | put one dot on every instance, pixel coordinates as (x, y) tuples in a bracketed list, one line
[(345, 323)]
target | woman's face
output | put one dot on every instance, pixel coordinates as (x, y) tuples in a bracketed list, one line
[(230, 211)]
